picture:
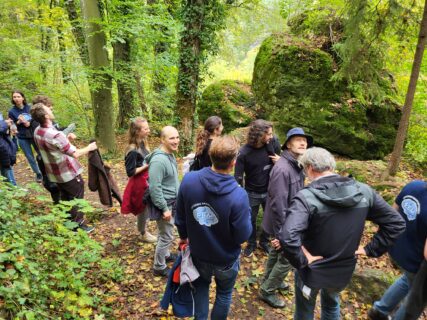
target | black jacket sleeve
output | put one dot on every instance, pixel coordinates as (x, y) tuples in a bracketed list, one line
[(239, 169), (390, 223), (130, 163), (296, 222), (278, 192)]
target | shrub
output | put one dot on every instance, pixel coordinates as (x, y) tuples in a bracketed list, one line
[(44, 264)]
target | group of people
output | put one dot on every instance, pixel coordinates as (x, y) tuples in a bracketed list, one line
[(313, 228), (55, 163)]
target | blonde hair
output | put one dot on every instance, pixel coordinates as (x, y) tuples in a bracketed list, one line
[(223, 151), (133, 140)]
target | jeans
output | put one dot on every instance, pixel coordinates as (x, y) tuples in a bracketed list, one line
[(142, 221), (395, 294), (8, 174), (164, 240), (276, 269), (225, 278), (26, 146), (329, 300), (255, 200)]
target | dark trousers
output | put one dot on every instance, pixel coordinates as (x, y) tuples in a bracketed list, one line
[(74, 189), (417, 298), (255, 201)]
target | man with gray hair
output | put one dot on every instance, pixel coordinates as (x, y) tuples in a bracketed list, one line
[(323, 229)]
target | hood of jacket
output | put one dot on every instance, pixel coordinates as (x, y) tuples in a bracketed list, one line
[(217, 183), (156, 152), (337, 191), (3, 127)]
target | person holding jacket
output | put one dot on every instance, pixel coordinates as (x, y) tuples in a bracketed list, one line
[(213, 217), (20, 114), (323, 229), (7, 152), (163, 189), (137, 150)]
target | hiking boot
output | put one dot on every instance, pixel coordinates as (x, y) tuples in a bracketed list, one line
[(161, 272), (148, 237), (283, 286), (86, 228), (271, 299), (265, 247), (39, 178), (172, 257), (374, 314), (248, 251)]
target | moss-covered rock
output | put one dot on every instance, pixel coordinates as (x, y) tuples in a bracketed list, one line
[(231, 100), (292, 86)]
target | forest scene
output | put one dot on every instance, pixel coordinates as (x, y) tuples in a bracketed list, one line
[(351, 74)]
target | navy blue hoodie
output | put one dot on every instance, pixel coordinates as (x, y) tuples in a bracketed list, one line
[(213, 213)]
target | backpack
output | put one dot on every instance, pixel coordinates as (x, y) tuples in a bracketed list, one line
[(195, 164)]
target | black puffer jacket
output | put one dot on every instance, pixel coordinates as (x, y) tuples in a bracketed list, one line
[(327, 218)]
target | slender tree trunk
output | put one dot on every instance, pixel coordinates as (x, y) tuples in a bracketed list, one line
[(404, 120), (102, 101), (140, 92), (65, 70), (189, 69), (77, 30), (126, 85)]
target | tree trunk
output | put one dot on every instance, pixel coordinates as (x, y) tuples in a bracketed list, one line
[(77, 29), (404, 121), (65, 70), (126, 84), (140, 93), (188, 73), (102, 102)]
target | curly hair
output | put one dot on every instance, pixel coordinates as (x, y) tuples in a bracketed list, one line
[(133, 141), (256, 131), (211, 124), (42, 99)]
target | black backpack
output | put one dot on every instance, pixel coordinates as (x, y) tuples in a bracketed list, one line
[(195, 165)]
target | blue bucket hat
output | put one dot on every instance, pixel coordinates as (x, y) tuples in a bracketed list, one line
[(297, 132)]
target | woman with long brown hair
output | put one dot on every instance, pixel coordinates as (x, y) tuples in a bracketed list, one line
[(137, 172), (212, 129)]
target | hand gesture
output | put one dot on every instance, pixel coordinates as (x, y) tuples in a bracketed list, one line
[(71, 136), (309, 257), (167, 215), (360, 251), (92, 146), (275, 243), (275, 158)]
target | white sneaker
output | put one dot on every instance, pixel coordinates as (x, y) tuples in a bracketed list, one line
[(148, 237)]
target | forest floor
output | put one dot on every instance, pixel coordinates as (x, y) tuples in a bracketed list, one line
[(137, 295)]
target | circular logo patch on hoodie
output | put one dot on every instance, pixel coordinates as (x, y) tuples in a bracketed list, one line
[(411, 207), (204, 214)]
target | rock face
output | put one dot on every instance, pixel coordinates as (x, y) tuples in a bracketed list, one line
[(292, 87), (369, 284), (231, 100)]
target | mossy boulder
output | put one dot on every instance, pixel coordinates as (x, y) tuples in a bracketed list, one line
[(369, 284), (231, 100), (292, 86)]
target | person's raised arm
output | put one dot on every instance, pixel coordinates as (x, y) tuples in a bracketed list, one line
[(83, 151)]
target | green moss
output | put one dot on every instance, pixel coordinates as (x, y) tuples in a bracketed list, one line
[(230, 100), (292, 86)]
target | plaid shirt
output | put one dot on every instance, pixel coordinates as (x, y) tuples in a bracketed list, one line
[(56, 152)]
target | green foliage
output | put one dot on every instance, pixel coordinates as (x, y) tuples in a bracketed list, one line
[(45, 267), (230, 100), (292, 86)]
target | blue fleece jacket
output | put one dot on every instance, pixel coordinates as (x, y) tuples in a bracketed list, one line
[(213, 212)]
